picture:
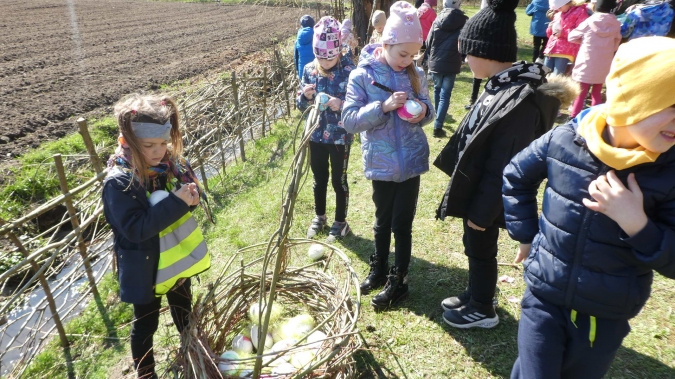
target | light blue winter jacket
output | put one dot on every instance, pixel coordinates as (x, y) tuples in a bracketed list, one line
[(537, 10), (393, 149)]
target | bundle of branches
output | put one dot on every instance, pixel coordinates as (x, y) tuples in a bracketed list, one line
[(280, 275)]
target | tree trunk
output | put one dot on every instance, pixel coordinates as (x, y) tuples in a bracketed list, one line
[(363, 9)]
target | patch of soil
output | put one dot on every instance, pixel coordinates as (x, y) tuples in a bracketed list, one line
[(60, 59)]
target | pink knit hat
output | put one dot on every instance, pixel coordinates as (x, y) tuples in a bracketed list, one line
[(403, 25), (326, 40)]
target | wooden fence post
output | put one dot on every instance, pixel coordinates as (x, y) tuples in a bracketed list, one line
[(247, 104), (75, 223), (84, 131), (235, 94), (264, 100), (283, 81), (222, 152), (45, 287)]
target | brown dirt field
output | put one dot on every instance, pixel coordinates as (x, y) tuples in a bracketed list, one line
[(62, 58)]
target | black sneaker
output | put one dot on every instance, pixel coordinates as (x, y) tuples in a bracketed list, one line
[(338, 231), (439, 132), (456, 302), (316, 227), (472, 315)]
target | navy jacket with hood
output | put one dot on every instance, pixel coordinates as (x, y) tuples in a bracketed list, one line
[(136, 226), (581, 259), (442, 52)]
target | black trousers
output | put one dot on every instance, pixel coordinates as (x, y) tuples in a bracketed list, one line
[(539, 46), (146, 321), (481, 248), (338, 155), (395, 206)]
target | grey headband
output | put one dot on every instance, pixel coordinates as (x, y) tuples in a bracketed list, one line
[(152, 130)]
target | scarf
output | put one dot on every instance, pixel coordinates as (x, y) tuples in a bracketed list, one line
[(519, 71), (591, 127), (165, 171)]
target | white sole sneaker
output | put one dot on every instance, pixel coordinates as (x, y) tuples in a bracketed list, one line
[(486, 323)]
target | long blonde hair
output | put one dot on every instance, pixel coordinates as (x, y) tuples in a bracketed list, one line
[(147, 108), (413, 76)]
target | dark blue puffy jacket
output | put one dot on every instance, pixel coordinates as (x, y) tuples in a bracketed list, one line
[(304, 52), (579, 258)]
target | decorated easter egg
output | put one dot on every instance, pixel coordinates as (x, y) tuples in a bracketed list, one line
[(269, 341), (255, 309), (302, 358), (284, 368), (157, 196), (316, 339), (227, 365), (283, 345), (316, 251), (242, 344), (321, 100), (409, 110)]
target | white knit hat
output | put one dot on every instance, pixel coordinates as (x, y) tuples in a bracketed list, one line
[(557, 4)]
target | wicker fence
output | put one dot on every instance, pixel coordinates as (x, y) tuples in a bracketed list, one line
[(63, 264)]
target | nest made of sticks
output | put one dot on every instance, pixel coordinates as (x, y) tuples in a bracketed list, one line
[(324, 289)]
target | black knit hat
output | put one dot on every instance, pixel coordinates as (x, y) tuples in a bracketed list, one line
[(491, 33), (604, 6)]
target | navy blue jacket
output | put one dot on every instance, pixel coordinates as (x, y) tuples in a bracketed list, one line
[(136, 228), (579, 258), (442, 52)]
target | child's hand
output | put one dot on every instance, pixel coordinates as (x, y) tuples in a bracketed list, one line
[(188, 193), (309, 91), (395, 101), (621, 204), (474, 226), (421, 115), (334, 104), (523, 252)]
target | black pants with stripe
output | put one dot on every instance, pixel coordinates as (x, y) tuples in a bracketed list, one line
[(146, 321), (481, 248), (321, 155)]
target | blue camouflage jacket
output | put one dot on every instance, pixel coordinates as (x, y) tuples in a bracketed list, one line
[(393, 149), (330, 130)]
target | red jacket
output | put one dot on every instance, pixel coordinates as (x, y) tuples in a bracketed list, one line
[(568, 21), (427, 15)]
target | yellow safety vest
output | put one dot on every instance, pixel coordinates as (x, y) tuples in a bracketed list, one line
[(182, 253)]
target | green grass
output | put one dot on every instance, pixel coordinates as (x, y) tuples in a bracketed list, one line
[(410, 341)]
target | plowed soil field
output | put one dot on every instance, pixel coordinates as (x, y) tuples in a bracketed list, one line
[(62, 58)]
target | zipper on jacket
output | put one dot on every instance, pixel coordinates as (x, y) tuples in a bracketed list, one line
[(397, 129), (578, 252)]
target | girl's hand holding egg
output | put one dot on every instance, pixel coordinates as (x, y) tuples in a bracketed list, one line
[(413, 111), (334, 104)]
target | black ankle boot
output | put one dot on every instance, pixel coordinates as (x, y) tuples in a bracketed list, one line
[(377, 275), (394, 291)]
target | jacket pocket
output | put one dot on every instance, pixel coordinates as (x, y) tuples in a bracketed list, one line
[(136, 275)]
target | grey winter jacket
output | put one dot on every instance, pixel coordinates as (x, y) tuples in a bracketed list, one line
[(393, 149)]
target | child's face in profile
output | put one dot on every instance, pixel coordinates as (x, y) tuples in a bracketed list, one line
[(379, 29), (401, 55), (153, 150), (655, 133)]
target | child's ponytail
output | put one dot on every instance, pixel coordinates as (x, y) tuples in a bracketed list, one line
[(176, 137), (414, 78)]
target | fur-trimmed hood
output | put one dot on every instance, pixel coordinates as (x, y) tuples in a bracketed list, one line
[(562, 88)]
